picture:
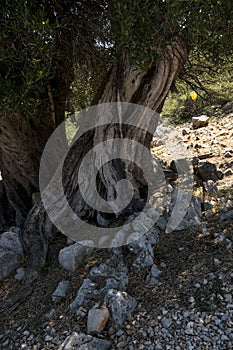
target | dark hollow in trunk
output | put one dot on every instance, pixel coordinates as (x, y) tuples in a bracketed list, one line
[(7, 213)]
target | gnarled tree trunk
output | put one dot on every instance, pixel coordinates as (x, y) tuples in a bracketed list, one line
[(125, 84)]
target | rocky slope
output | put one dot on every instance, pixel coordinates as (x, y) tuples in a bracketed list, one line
[(165, 291)]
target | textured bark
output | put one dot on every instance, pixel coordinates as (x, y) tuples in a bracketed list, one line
[(21, 145), (125, 84)]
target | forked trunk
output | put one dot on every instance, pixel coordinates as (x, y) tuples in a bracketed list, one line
[(125, 84)]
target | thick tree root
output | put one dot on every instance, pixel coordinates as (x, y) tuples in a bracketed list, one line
[(38, 232)]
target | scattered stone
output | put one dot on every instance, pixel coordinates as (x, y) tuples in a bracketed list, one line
[(189, 328), (114, 272), (10, 252), (228, 244), (200, 121), (120, 304), (60, 291), (207, 323), (220, 174), (8, 262), (142, 247), (145, 257), (143, 225), (206, 171), (71, 257), (48, 338), (97, 319), (228, 298), (192, 215), (166, 322), (162, 223), (228, 154), (152, 277), (26, 333), (228, 172), (186, 131), (82, 341), (191, 300), (160, 135), (210, 187), (49, 315), (207, 205), (20, 274), (88, 292), (81, 312), (228, 216)]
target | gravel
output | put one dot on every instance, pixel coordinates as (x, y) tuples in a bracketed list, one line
[(172, 327)]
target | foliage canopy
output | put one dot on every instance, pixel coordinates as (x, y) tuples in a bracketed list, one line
[(42, 40)]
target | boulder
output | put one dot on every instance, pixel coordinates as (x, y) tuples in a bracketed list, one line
[(72, 256)]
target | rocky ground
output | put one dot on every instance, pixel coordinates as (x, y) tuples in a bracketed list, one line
[(174, 289)]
